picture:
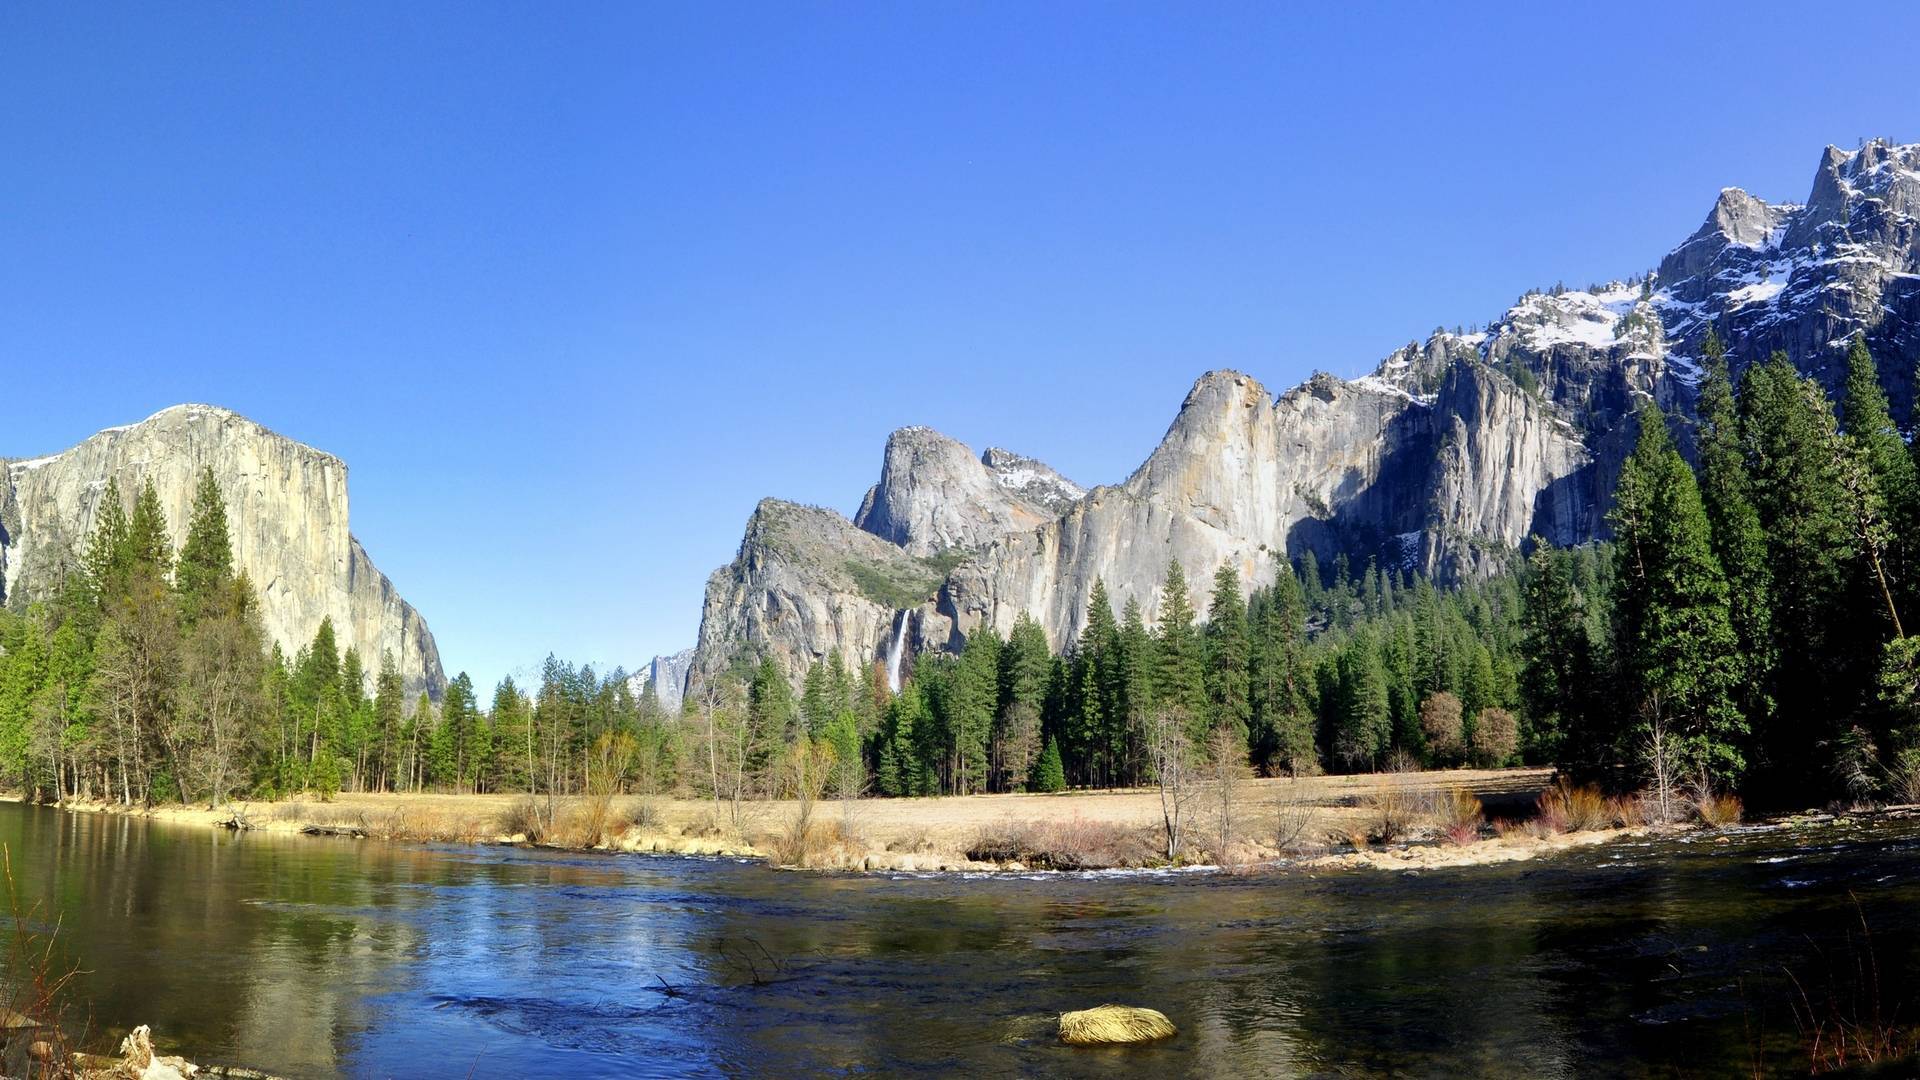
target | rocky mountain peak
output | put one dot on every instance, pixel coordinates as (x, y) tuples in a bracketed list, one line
[(1031, 480), (934, 495), (1446, 459)]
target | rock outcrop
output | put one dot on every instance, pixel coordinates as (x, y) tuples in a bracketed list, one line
[(1446, 460), (934, 495), (807, 582), (286, 513), (668, 677)]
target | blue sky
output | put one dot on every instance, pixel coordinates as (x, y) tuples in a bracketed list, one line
[(570, 287)]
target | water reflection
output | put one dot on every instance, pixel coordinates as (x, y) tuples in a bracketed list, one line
[(323, 958)]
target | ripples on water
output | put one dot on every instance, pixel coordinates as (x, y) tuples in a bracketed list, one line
[(323, 958)]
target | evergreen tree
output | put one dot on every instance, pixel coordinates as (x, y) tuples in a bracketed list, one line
[(109, 558), (1739, 542), (147, 535), (1048, 774), (1362, 720), (1226, 654), (1673, 636), (1278, 679), (817, 707), (1132, 692), (1798, 492), (973, 698), (206, 559), (1557, 674), (1180, 682), (1881, 478)]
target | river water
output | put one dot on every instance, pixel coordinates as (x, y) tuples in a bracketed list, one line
[(321, 958)]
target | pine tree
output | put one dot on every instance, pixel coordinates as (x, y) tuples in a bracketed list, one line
[(972, 700), (1797, 489), (1226, 654), (1132, 688), (1099, 648), (817, 707), (1362, 720), (1048, 774), (147, 535), (1881, 479), (109, 558), (1278, 679), (1557, 675), (1180, 683), (206, 559), (1739, 542), (1673, 636)]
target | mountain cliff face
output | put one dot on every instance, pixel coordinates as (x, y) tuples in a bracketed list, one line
[(286, 512), (934, 495), (668, 677), (1447, 459)]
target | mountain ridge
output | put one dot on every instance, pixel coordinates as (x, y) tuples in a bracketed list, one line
[(1447, 458)]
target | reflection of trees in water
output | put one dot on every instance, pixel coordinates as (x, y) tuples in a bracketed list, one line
[(313, 956), (217, 948)]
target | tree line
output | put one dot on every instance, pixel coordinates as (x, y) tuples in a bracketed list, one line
[(1742, 631)]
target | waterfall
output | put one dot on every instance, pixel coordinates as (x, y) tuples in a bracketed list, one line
[(898, 650)]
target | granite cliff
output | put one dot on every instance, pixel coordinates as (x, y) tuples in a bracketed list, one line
[(1447, 460), (286, 512)]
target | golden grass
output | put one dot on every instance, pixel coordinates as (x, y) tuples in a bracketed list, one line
[(1717, 811), (1461, 817), (1109, 1025), (1566, 808)]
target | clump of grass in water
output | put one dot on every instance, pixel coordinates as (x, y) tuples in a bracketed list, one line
[(1844, 1019)]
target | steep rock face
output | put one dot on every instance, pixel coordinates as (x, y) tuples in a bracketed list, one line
[(668, 677), (934, 495), (286, 513), (807, 582), (1448, 458)]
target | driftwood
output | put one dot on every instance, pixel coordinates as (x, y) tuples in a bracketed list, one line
[(334, 830)]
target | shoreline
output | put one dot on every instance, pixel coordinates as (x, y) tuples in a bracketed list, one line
[(934, 834)]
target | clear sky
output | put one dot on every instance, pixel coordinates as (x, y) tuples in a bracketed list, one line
[(571, 286)]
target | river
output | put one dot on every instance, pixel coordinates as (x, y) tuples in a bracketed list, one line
[(321, 958)]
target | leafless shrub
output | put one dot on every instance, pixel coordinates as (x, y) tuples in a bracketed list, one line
[(1292, 817), (1227, 770), (912, 841), (37, 987), (1072, 843), (526, 817), (1171, 755), (1392, 807), (1496, 735), (1903, 776)]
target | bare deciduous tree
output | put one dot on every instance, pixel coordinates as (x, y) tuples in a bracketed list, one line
[(1227, 770), (1171, 756)]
